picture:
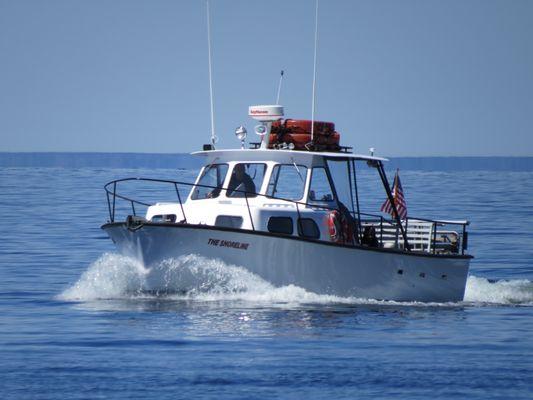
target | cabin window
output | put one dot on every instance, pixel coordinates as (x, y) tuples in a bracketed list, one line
[(341, 174), (164, 218), (246, 180), (287, 182), (320, 189), (308, 228), (370, 188), (229, 221), (212, 178), (280, 225)]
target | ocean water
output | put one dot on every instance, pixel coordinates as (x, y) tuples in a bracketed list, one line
[(75, 322)]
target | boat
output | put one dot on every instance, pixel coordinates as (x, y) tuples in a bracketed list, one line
[(288, 209)]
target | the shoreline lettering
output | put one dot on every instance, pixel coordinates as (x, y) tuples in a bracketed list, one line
[(228, 243)]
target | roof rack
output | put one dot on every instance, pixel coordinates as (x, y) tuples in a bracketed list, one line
[(342, 149)]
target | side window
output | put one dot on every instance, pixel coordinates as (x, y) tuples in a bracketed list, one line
[(229, 221), (320, 189), (287, 182), (280, 225), (164, 218), (246, 179), (213, 178), (308, 228)]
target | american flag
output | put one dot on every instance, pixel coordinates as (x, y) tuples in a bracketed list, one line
[(399, 200)]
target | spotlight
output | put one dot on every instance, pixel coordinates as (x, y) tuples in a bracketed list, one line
[(240, 132), (260, 129)]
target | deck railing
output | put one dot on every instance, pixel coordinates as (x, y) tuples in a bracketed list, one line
[(425, 235)]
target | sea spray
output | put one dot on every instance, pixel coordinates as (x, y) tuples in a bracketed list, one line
[(111, 276), (189, 277), (193, 277), (114, 276), (515, 291)]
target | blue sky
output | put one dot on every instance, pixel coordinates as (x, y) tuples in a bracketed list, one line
[(410, 78)]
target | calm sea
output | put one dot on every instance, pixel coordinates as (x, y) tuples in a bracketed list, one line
[(74, 325)]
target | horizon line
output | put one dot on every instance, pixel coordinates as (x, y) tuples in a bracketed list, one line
[(188, 153)]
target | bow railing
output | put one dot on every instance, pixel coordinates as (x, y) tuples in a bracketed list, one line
[(425, 235)]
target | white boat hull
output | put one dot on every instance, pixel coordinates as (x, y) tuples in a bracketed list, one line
[(318, 267)]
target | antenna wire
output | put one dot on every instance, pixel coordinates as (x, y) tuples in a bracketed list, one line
[(314, 77), (213, 136), (279, 86)]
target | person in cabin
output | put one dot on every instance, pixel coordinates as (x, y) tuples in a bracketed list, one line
[(241, 182), (369, 237)]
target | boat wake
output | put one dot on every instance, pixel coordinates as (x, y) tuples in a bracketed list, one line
[(514, 291), (196, 278)]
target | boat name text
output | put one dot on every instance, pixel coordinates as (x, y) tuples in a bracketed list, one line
[(228, 243)]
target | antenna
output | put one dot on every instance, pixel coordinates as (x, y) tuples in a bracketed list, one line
[(314, 76), (279, 86), (214, 138)]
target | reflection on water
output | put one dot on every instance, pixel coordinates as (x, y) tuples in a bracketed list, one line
[(234, 318)]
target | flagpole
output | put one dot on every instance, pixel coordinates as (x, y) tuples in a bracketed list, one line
[(385, 182)]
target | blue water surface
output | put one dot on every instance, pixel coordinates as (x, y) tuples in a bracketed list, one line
[(72, 328)]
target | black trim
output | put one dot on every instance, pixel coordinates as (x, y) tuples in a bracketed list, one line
[(301, 239)]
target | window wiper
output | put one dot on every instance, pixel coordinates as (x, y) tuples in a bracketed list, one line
[(297, 170)]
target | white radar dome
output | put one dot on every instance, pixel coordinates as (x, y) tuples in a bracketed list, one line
[(266, 113)]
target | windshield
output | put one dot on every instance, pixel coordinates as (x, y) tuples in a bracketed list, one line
[(341, 174), (213, 178), (246, 180), (320, 189), (287, 182)]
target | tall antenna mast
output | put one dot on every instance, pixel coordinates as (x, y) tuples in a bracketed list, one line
[(214, 138), (279, 86), (314, 76)]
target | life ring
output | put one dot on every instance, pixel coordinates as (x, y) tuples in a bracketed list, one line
[(335, 227), (340, 229)]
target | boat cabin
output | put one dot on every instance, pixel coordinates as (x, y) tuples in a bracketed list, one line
[(298, 181), (310, 195), (278, 191)]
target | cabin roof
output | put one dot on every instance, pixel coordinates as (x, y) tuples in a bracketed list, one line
[(279, 155)]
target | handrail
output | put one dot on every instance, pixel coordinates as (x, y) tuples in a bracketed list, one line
[(250, 194), (378, 218)]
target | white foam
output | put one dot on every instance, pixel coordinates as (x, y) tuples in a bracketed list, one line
[(193, 277), (197, 278), (111, 276), (515, 291)]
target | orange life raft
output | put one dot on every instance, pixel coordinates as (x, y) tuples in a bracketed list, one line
[(298, 132)]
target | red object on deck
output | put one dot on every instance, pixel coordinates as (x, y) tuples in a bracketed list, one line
[(340, 229), (298, 132)]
